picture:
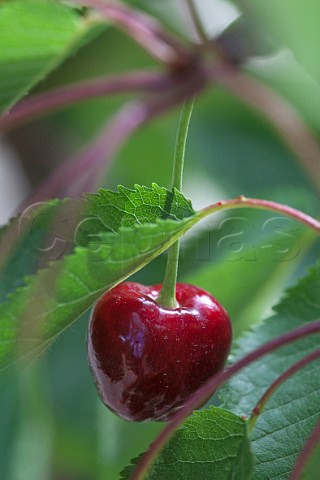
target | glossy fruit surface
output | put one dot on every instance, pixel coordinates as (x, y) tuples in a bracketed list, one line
[(147, 360)]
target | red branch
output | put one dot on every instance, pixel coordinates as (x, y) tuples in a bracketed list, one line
[(283, 116), (46, 102), (278, 382), (244, 202), (144, 29)]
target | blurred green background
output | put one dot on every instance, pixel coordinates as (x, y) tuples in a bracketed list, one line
[(53, 425)]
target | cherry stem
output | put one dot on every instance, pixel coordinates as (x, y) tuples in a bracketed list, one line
[(244, 202), (208, 389), (197, 21), (277, 383), (180, 147), (167, 296), (306, 453)]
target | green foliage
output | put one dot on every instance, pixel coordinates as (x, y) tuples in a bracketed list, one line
[(117, 233), (36, 35), (212, 443), (294, 26), (292, 412), (263, 263), (24, 244)]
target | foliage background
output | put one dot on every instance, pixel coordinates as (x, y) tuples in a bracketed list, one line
[(53, 426)]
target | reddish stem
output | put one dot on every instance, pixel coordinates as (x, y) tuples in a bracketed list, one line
[(243, 202), (211, 386), (306, 453), (144, 29), (278, 382), (197, 22), (68, 179), (283, 116), (46, 102)]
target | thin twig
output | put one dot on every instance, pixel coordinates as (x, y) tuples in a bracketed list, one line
[(256, 411), (144, 29), (244, 202), (44, 103), (283, 116), (210, 387), (197, 21)]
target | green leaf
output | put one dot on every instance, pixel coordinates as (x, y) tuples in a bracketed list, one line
[(36, 35), (263, 259), (292, 412), (22, 245), (118, 233), (212, 444), (46, 231)]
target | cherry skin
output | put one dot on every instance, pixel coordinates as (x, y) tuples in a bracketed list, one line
[(146, 359)]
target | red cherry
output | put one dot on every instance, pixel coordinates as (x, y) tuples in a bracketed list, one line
[(147, 360)]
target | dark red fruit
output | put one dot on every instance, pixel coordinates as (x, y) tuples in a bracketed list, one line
[(147, 360)]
